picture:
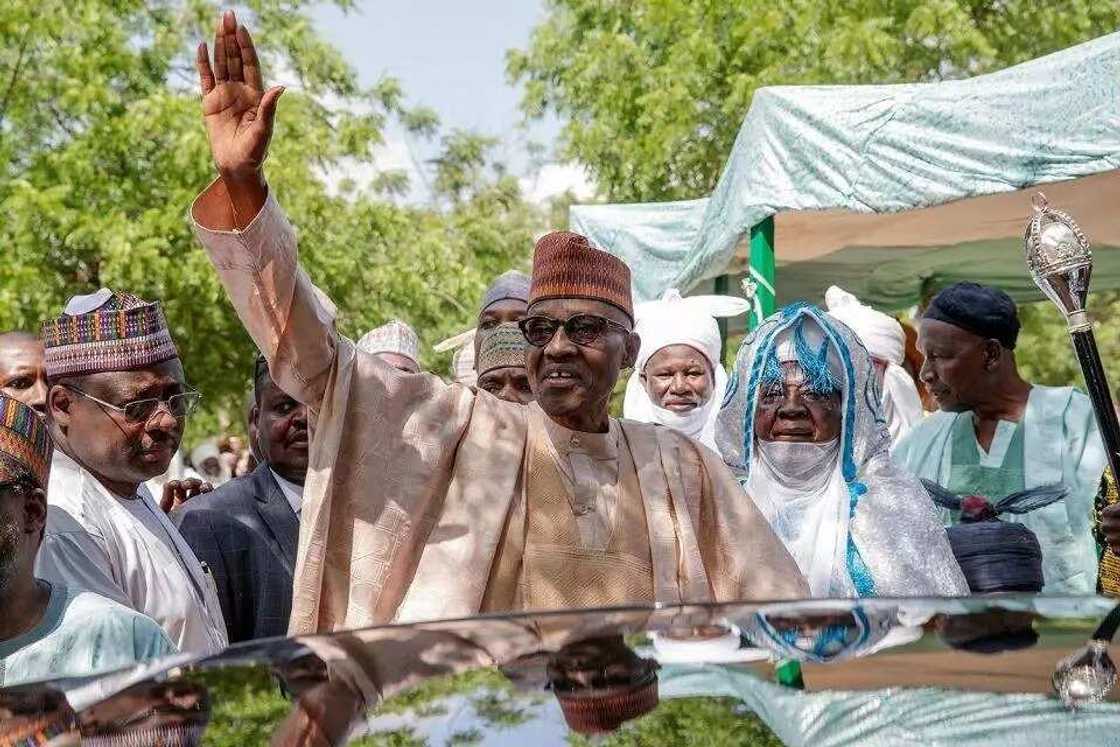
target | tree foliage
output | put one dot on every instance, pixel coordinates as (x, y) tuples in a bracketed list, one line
[(102, 151), (653, 91)]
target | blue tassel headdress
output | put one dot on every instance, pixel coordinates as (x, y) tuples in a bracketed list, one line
[(766, 371)]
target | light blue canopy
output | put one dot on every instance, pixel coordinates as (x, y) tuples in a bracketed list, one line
[(886, 149)]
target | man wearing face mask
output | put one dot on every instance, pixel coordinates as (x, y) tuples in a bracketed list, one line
[(247, 529), (997, 434), (428, 500), (117, 405), (679, 380), (803, 431)]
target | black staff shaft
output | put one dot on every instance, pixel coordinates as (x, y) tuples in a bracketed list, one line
[(1095, 381)]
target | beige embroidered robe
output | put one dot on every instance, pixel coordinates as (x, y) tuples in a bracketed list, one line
[(413, 483)]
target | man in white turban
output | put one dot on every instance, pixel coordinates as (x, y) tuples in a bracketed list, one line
[(679, 379), (884, 339)]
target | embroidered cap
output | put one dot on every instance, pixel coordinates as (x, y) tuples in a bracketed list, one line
[(511, 285), (565, 265), (503, 346), (392, 337), (106, 331), (25, 444)]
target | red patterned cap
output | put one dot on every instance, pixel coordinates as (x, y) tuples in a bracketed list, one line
[(565, 265), (604, 709)]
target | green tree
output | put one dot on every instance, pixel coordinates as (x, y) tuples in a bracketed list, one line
[(102, 151), (653, 91), (1045, 353)]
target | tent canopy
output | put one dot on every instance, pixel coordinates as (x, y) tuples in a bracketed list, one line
[(894, 191)]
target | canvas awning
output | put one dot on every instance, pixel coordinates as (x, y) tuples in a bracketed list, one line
[(895, 191)]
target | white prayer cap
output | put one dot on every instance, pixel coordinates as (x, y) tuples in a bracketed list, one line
[(393, 337), (880, 333), (673, 320)]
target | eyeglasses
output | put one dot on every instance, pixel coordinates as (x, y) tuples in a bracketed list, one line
[(141, 410), (582, 329), (12, 485)]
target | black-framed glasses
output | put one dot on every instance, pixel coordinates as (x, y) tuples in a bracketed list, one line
[(582, 329), (141, 410)]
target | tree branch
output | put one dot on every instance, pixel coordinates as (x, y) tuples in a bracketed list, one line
[(15, 73)]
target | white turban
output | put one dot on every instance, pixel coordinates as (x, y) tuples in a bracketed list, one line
[(209, 450), (883, 337), (673, 320)]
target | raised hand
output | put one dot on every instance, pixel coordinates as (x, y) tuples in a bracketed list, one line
[(236, 108)]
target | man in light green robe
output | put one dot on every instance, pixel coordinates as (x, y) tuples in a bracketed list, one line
[(996, 434)]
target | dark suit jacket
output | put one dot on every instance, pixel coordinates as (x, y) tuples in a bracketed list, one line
[(247, 533)]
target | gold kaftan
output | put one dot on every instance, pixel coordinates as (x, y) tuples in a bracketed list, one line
[(412, 482)]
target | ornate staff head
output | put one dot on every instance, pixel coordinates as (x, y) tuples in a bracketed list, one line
[(1088, 674), (1085, 676), (1060, 260)]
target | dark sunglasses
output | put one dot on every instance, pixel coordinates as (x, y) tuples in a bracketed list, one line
[(582, 329), (141, 410)]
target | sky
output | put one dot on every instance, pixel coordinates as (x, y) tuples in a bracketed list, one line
[(450, 55)]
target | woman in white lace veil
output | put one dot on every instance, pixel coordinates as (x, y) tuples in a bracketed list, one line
[(855, 523)]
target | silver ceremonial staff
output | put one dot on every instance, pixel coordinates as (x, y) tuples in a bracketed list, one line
[(1060, 261)]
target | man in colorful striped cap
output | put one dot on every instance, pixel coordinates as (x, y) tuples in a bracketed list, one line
[(50, 630), (117, 404), (501, 364), (427, 500)]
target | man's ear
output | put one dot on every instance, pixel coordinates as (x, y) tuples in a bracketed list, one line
[(59, 403), (254, 431), (35, 508), (633, 345), (993, 353)]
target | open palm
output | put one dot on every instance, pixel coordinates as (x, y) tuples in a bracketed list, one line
[(238, 112)]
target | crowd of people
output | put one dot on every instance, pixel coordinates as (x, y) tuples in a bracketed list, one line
[(372, 492)]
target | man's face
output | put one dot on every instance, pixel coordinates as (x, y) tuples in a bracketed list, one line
[(282, 434), (956, 363), (22, 374), (23, 514), (678, 378), (573, 383), (510, 383), (400, 362), (103, 439), (791, 411)]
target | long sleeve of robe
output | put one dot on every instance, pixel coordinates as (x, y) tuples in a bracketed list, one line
[(411, 481)]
